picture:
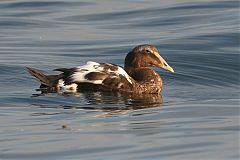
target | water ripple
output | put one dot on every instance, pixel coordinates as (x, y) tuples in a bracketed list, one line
[(196, 115)]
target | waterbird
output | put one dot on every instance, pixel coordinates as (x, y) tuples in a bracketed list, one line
[(136, 76)]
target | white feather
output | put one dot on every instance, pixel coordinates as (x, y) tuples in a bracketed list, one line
[(60, 83), (124, 73), (67, 88), (81, 71)]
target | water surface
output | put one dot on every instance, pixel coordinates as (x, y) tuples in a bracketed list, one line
[(195, 117)]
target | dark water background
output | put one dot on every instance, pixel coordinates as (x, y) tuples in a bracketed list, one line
[(199, 116)]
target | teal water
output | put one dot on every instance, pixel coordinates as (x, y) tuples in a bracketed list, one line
[(196, 116)]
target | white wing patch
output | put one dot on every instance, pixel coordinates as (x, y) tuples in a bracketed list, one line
[(79, 75), (124, 73), (82, 71)]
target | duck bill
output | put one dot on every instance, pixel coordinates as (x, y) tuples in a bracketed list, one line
[(163, 64)]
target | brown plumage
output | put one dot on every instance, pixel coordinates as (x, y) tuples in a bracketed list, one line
[(136, 77)]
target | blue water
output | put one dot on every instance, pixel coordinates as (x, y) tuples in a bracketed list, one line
[(195, 117)]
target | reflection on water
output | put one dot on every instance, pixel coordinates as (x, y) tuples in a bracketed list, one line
[(112, 101)]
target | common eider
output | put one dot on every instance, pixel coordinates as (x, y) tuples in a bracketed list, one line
[(135, 77)]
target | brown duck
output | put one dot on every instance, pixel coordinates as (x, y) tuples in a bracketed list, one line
[(136, 77)]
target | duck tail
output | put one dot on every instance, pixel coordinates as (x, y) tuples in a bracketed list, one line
[(45, 80)]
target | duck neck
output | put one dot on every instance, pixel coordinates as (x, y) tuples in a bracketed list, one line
[(146, 80), (129, 69), (131, 63)]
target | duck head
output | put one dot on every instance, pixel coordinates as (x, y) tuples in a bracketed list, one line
[(146, 56)]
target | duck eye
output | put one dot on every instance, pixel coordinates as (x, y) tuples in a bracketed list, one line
[(148, 51)]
